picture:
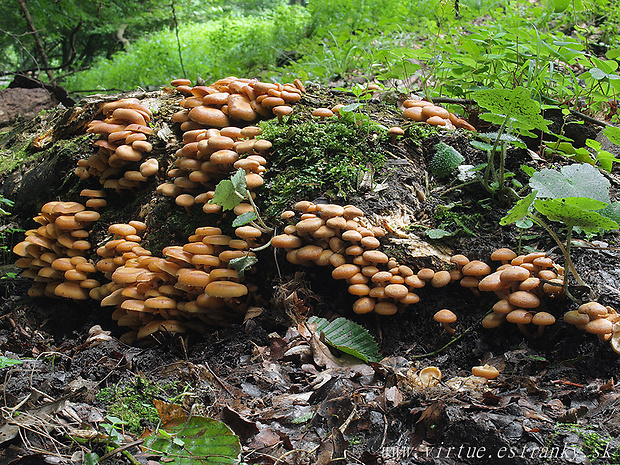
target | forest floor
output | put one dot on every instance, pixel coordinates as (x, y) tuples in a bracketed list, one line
[(78, 389)]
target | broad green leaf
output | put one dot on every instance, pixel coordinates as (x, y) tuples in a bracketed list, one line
[(241, 264), (606, 159), (597, 74), (348, 337), (519, 211), (195, 441), (91, 458), (504, 137), (560, 5), (576, 211), (613, 53), (225, 195), (613, 134), (514, 103), (481, 145), (612, 211), (577, 180), (8, 362), (528, 170), (244, 218)]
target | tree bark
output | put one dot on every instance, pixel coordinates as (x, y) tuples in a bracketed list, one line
[(37, 40)]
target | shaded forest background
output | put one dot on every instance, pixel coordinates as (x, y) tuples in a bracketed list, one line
[(435, 47)]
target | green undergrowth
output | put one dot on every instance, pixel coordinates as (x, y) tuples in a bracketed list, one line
[(133, 403), (233, 45), (311, 158)]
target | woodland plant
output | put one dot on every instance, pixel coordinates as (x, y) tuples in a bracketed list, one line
[(577, 196)]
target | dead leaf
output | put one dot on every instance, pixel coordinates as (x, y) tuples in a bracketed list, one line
[(168, 412), (394, 396), (242, 427)]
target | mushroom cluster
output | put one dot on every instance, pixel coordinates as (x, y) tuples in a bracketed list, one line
[(192, 286), (54, 254), (598, 319), (119, 162), (521, 283), (337, 236), (233, 99), (210, 155), (425, 111)]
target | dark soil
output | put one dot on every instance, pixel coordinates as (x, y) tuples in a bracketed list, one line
[(554, 402)]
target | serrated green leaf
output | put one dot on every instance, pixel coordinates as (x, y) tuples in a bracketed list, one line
[(241, 264), (519, 211), (516, 104), (8, 362), (225, 195), (238, 181), (244, 218), (576, 212), (195, 441), (348, 337), (577, 180)]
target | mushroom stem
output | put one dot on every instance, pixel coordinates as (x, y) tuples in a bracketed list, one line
[(524, 330), (449, 329)]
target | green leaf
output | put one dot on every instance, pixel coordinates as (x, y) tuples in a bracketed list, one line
[(244, 218), (576, 211), (195, 441), (241, 264), (519, 211), (577, 180), (225, 195), (481, 145), (230, 192), (438, 233), (348, 337), (238, 181), (8, 362), (504, 137), (528, 170), (560, 5), (613, 134), (612, 211), (513, 103)]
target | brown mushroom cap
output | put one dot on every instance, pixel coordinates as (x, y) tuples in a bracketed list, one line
[(476, 268), (322, 113), (444, 316), (599, 326), (226, 289), (485, 371), (576, 318), (524, 299), (503, 255)]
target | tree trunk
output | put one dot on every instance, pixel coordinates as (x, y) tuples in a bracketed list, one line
[(37, 40)]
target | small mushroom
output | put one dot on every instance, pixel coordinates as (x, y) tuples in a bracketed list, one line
[(485, 371), (322, 113), (445, 317)]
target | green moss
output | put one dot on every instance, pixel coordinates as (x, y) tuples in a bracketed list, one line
[(311, 158), (133, 403)]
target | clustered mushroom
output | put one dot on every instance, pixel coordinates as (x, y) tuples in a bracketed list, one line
[(119, 162), (192, 286), (210, 155), (337, 236), (425, 111), (212, 147), (53, 255), (522, 283), (598, 319)]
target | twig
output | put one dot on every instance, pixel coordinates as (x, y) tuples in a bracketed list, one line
[(435, 352), (218, 379), (123, 450)]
